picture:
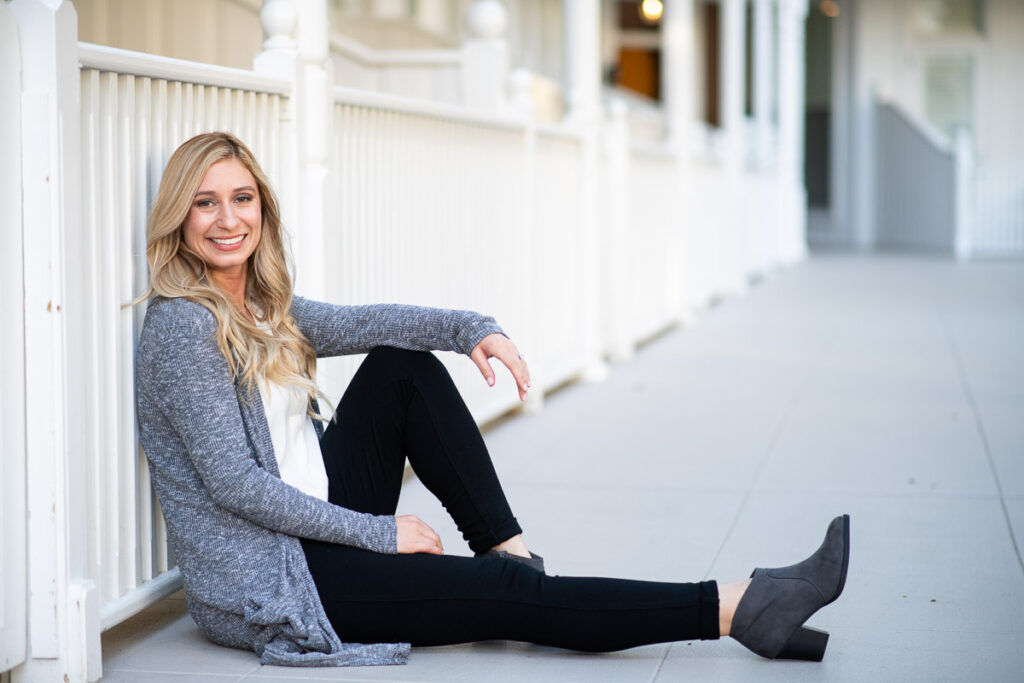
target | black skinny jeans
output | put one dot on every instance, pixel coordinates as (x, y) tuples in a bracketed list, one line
[(403, 403)]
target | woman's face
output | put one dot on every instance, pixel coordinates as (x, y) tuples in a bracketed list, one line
[(224, 223)]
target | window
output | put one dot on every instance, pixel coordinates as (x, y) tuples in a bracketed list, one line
[(948, 83)]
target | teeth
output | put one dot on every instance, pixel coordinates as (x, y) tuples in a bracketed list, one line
[(233, 240)]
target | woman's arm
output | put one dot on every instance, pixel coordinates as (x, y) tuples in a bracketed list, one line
[(340, 330), (182, 374)]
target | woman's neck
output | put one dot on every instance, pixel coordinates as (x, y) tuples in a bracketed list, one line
[(233, 284)]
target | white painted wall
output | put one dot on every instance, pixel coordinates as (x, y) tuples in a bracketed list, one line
[(224, 32), (877, 52)]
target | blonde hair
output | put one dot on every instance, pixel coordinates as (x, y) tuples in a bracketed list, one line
[(278, 352)]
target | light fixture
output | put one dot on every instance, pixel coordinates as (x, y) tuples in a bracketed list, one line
[(829, 8), (651, 10)]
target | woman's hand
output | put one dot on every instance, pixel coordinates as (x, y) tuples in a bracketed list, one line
[(415, 536), (501, 347)]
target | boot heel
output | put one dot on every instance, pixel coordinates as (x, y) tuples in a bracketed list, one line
[(806, 644)]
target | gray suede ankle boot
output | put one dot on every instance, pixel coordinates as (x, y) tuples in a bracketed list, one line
[(769, 618), (534, 561)]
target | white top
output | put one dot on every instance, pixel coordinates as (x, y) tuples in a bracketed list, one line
[(296, 446)]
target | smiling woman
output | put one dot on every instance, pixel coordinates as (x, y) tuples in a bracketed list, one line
[(285, 532)]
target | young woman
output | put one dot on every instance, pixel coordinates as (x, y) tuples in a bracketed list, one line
[(284, 526)]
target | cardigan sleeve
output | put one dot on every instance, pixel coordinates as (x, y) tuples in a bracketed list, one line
[(339, 330), (183, 374)]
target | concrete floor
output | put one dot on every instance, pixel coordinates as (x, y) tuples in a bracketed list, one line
[(890, 387)]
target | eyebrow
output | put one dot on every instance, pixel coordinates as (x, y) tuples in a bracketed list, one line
[(250, 188)]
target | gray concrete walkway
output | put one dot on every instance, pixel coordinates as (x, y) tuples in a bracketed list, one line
[(889, 387)]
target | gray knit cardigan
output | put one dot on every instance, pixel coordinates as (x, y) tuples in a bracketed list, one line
[(233, 525)]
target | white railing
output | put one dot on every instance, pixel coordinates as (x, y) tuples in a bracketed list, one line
[(135, 110), (933, 193), (657, 222), (997, 218), (426, 211), (916, 182)]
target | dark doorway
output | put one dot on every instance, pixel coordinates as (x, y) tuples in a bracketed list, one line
[(818, 114)]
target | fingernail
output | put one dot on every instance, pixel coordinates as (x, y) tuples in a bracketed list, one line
[(490, 381)]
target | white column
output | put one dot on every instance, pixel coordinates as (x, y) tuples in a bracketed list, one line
[(764, 78), (792, 14), (296, 48), (732, 47), (677, 71), (677, 87), (63, 618), (484, 67), (582, 58), (582, 23), (616, 254)]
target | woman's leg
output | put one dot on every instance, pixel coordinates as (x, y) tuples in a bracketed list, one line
[(403, 403), (439, 600)]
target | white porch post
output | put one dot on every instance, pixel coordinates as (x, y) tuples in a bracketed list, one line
[(582, 59), (677, 66), (677, 87), (296, 47), (582, 24), (732, 46), (764, 79), (792, 14), (484, 69), (63, 618)]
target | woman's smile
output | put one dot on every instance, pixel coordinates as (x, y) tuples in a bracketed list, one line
[(228, 243)]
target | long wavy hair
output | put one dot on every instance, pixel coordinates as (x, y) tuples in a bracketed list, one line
[(274, 349)]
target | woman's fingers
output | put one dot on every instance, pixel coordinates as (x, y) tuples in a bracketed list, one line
[(416, 536), (501, 347), (479, 356)]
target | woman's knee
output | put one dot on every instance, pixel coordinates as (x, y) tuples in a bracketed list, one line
[(403, 362)]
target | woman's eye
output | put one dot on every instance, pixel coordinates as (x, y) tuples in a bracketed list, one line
[(204, 203), (243, 198)]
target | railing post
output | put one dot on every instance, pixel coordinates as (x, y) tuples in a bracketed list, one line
[(677, 49), (764, 79), (296, 48), (63, 614), (521, 102), (583, 103), (616, 252), (732, 21), (963, 160), (792, 14), (484, 65)]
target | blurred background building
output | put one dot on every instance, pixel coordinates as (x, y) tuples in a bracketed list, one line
[(591, 172)]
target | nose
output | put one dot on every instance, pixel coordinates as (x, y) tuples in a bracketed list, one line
[(226, 216)]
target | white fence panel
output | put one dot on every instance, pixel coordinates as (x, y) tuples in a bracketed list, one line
[(557, 258), (427, 209), (655, 238), (134, 113)]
